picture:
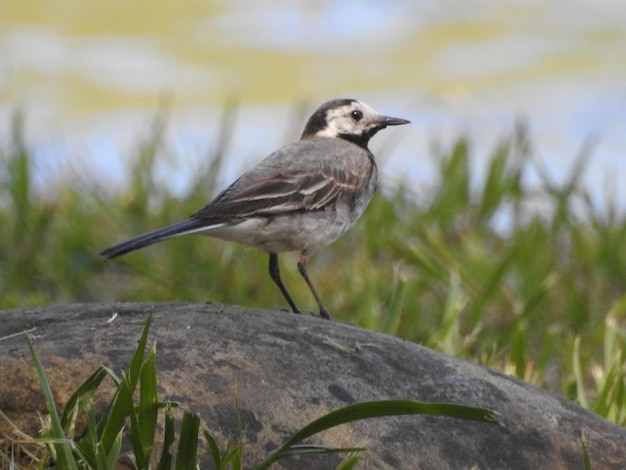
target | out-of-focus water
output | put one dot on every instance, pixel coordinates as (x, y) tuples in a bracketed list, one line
[(89, 76)]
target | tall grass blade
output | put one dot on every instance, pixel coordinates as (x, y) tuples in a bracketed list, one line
[(62, 445), (122, 405), (187, 454), (499, 184), (89, 447), (232, 458), (349, 462), (169, 436), (136, 362), (585, 450), (492, 282), (114, 452), (310, 449), (19, 183), (454, 188), (449, 333), (581, 396), (82, 395), (377, 409), (147, 411), (113, 421), (213, 447)]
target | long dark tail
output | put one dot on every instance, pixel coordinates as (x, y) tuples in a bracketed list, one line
[(182, 228)]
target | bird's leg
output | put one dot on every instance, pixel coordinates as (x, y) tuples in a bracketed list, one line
[(275, 275), (302, 262)]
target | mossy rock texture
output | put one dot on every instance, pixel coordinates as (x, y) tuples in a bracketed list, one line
[(286, 370)]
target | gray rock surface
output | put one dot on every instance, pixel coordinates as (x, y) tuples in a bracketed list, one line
[(289, 369)]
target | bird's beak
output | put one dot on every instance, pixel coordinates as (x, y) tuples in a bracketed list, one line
[(385, 121)]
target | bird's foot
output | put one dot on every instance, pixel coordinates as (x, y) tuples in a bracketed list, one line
[(324, 314)]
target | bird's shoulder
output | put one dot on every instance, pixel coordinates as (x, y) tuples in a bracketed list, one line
[(317, 152)]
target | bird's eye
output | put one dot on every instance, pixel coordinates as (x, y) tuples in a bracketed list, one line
[(357, 115)]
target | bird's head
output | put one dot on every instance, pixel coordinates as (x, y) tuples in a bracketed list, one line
[(348, 119)]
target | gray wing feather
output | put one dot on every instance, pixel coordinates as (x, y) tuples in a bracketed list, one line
[(311, 174)]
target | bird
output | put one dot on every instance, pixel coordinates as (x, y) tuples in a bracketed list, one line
[(300, 198)]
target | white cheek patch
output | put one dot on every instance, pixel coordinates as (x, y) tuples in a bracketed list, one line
[(339, 120), (327, 132), (334, 119), (339, 126)]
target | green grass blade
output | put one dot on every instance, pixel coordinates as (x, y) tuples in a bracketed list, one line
[(169, 436), (213, 447), (310, 449), (135, 435), (496, 185), (19, 166), (82, 394), (100, 458), (233, 457), (377, 409), (136, 362), (89, 446), (585, 450), (581, 396), (115, 418), (449, 333), (114, 452), (349, 462), (122, 404), (65, 458), (493, 281), (187, 454), (147, 411)]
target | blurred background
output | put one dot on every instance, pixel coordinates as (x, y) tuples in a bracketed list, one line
[(88, 76)]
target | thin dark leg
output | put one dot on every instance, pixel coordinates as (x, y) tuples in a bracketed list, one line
[(302, 262), (275, 275)]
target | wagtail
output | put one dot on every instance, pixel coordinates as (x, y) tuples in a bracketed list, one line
[(300, 198)]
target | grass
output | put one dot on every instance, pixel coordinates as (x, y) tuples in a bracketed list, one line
[(543, 299), (136, 404)]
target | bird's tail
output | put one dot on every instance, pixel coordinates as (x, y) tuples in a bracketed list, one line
[(181, 228)]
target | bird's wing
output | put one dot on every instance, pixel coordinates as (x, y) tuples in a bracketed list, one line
[(309, 181)]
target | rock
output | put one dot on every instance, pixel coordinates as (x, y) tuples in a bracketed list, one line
[(287, 370)]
